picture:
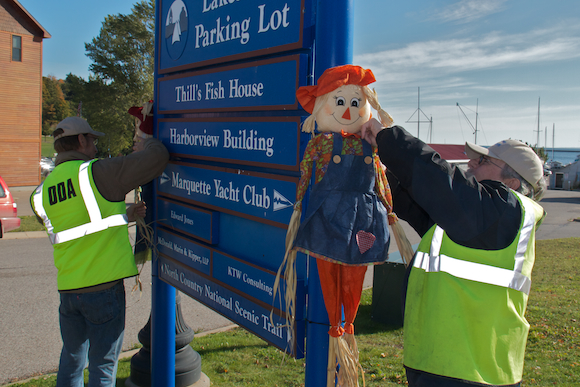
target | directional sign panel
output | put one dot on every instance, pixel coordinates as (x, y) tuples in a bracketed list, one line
[(197, 222), (259, 196), (201, 32), (250, 279), (190, 253), (272, 142), (241, 308), (261, 85)]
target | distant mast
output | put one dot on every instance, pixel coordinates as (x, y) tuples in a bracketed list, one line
[(476, 119), (418, 108), (553, 136), (419, 112), (474, 128), (538, 130)]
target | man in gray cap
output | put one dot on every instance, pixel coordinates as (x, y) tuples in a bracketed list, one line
[(469, 281), (82, 205)]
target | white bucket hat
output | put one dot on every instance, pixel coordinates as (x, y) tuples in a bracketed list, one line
[(73, 126), (514, 153)]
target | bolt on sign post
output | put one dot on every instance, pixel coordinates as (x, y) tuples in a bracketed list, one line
[(226, 75)]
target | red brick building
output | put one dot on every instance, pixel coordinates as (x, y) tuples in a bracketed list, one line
[(21, 38)]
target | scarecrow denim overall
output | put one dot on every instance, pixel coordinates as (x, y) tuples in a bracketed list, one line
[(345, 221)]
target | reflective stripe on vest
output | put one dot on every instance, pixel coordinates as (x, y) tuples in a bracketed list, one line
[(514, 279), (96, 224)]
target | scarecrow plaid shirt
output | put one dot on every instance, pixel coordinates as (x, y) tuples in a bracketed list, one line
[(319, 152)]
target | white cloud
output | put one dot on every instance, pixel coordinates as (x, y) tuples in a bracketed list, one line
[(466, 11), (507, 88), (431, 59), (504, 72)]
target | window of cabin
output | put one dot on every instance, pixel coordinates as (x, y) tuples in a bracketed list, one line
[(17, 48)]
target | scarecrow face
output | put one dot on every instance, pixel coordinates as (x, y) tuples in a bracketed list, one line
[(345, 109)]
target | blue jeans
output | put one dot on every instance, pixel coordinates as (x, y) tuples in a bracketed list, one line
[(91, 324), (425, 379)]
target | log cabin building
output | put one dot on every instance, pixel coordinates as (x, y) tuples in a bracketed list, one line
[(21, 38)]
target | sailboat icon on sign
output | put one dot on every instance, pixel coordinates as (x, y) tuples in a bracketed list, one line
[(163, 178), (280, 202)]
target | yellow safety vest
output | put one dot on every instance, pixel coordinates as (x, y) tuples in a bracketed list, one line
[(89, 234), (464, 313)]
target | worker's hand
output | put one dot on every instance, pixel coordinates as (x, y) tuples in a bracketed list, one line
[(137, 210), (139, 144), (369, 131)]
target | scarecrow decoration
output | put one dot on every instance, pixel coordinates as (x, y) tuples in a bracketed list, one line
[(143, 120), (349, 209), (144, 237)]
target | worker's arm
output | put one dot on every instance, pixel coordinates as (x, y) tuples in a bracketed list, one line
[(475, 214), (117, 176)]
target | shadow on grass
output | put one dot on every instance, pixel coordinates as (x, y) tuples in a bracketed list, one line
[(226, 348), (365, 325)]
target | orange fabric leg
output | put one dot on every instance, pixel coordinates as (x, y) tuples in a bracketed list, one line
[(352, 278), (329, 274)]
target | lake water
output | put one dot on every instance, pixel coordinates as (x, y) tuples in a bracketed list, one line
[(563, 155)]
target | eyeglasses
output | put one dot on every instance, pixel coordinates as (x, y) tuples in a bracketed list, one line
[(94, 139), (483, 159)]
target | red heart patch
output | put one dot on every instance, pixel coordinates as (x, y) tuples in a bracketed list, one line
[(365, 241)]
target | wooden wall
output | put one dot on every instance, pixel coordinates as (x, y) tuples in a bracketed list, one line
[(20, 102)]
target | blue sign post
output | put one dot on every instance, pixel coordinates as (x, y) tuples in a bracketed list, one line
[(226, 75), (333, 48), (162, 302)]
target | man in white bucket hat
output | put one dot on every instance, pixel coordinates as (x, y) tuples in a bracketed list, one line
[(82, 205), (470, 278), (510, 156)]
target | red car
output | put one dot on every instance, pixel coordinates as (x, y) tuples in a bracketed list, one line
[(9, 219)]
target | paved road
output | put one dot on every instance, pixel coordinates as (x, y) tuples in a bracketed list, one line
[(563, 219), (31, 343), (22, 198)]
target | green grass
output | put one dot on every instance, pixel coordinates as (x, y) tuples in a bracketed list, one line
[(236, 357), (28, 223), (553, 353), (46, 146)]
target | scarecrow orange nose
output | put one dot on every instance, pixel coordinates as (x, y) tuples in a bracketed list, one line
[(346, 114)]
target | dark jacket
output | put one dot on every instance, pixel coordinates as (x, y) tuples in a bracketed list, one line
[(428, 190)]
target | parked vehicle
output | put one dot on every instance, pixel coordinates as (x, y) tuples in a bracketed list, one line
[(9, 219), (46, 166)]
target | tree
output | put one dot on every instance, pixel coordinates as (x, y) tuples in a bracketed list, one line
[(73, 90), (122, 76), (123, 53), (541, 152), (54, 106)]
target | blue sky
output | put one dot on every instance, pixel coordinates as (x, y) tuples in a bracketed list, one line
[(500, 54)]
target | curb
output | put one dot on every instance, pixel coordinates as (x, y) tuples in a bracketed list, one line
[(25, 235)]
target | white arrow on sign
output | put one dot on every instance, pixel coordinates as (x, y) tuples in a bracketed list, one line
[(163, 178), (280, 202)]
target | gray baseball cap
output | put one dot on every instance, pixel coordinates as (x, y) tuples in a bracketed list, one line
[(74, 126), (514, 153)]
